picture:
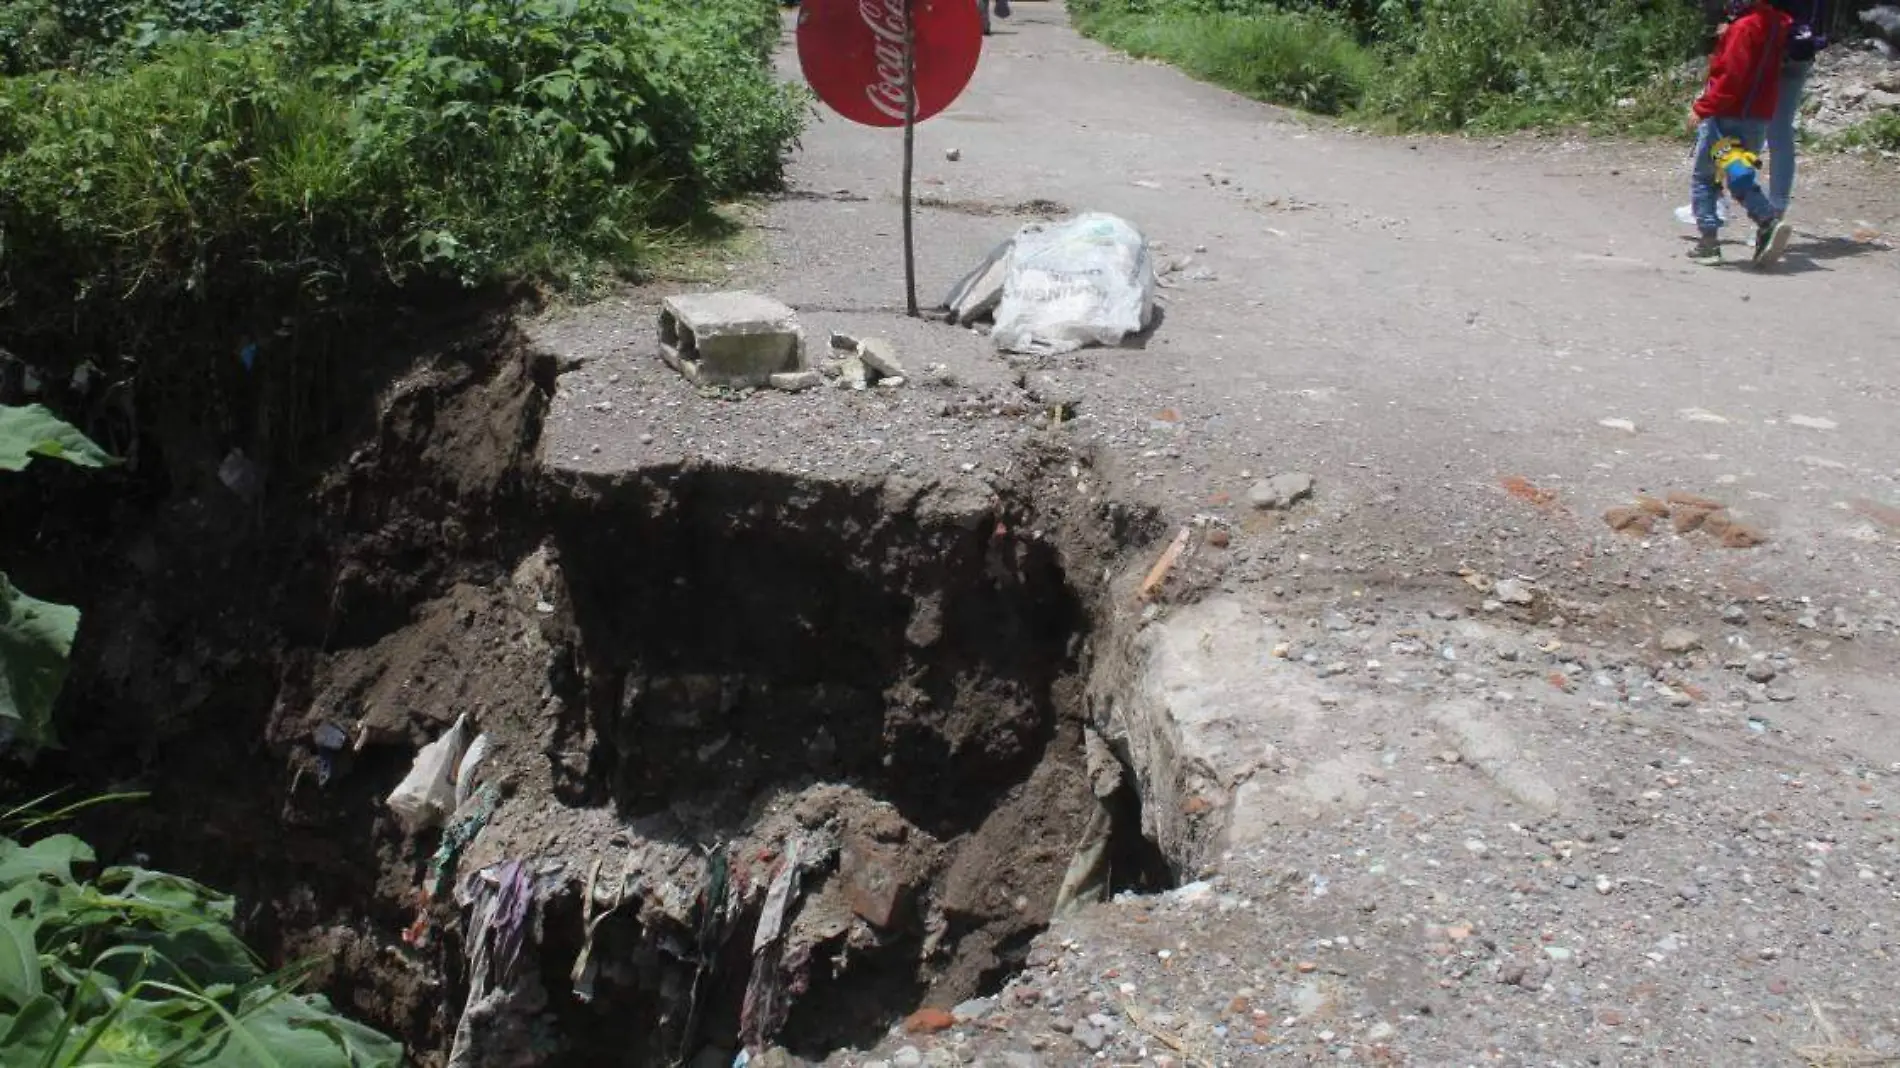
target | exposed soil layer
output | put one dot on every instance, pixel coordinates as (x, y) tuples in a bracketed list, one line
[(701, 688)]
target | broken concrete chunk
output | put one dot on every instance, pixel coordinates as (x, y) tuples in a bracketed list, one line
[(880, 356), (1281, 491), (978, 293), (852, 373), (875, 882), (796, 381), (735, 339)]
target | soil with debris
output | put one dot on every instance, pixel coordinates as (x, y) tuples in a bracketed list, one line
[(1852, 83)]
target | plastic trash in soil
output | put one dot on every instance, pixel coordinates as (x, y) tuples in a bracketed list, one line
[(1064, 286), (498, 1027), (467, 768), (330, 740), (427, 795)]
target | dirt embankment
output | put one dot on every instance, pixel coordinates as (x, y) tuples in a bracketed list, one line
[(781, 758)]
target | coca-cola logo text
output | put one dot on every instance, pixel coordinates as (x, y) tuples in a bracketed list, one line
[(887, 20)]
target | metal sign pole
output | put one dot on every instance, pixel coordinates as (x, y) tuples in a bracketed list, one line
[(910, 154)]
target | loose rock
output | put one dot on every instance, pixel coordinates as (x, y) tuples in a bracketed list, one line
[(928, 1022), (1680, 640), (796, 381), (1281, 491), (1089, 1036), (880, 356), (1515, 591)]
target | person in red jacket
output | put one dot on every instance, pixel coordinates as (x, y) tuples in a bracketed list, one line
[(1737, 104)]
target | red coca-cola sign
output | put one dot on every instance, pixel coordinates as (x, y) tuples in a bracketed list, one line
[(852, 52)]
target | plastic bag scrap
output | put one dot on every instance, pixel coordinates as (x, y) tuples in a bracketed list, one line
[(456, 838), (765, 1006), (426, 796), (330, 740), (466, 769), (1087, 281)]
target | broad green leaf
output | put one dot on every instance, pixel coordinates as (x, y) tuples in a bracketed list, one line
[(20, 981), (298, 1032), (195, 901), (34, 1031), (30, 431), (36, 640), (52, 857)]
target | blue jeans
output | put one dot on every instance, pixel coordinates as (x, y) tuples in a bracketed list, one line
[(1794, 82), (1705, 187)]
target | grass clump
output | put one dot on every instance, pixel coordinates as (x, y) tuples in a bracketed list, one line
[(1880, 133)]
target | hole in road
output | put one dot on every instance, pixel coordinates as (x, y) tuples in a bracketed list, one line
[(843, 735)]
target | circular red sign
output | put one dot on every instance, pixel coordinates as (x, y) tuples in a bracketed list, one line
[(852, 52)]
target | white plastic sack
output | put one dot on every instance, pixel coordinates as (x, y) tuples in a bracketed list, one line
[(1088, 281), (1686, 213), (426, 795)]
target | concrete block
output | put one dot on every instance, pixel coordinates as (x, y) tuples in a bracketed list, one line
[(734, 339)]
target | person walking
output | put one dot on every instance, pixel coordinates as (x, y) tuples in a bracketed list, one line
[(1732, 113), (1807, 36), (984, 6)]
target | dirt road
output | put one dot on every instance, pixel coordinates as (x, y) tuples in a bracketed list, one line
[(1633, 808), (1429, 312)]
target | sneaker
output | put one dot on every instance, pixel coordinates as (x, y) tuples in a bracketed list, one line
[(1771, 240), (1002, 9), (1707, 252)]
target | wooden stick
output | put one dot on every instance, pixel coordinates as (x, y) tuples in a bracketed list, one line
[(1159, 573), (910, 154)]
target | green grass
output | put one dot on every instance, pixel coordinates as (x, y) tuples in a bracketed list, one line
[(1880, 133), (1479, 65), (1291, 58)]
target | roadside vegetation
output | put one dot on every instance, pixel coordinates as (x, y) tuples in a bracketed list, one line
[(1424, 65), (168, 163)]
